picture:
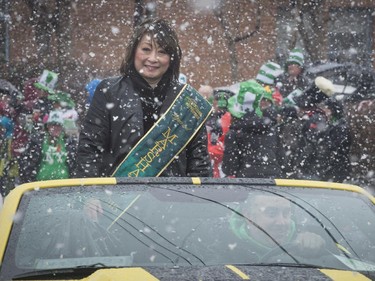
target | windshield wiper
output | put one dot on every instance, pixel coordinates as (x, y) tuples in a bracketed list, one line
[(81, 270), (95, 265)]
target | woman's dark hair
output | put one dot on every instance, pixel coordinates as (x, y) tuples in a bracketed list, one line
[(164, 35)]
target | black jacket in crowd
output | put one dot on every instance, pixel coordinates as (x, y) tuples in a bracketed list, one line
[(123, 109), (325, 149), (250, 147), (288, 86)]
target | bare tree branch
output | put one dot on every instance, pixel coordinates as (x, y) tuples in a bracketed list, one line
[(310, 27), (256, 28), (138, 12), (231, 36)]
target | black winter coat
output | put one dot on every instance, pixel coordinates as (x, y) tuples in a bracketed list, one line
[(326, 153), (123, 109), (339, 141), (301, 82), (250, 147)]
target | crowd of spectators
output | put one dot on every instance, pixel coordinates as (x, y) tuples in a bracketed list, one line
[(39, 128), (277, 125), (284, 126)]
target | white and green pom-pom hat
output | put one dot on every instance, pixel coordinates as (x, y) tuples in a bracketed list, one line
[(296, 57), (47, 81), (268, 72)]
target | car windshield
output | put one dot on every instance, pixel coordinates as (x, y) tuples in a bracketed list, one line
[(165, 225)]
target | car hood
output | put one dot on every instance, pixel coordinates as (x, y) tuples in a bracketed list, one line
[(225, 272)]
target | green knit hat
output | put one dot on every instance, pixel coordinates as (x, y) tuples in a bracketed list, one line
[(296, 57), (248, 99), (268, 73), (47, 81)]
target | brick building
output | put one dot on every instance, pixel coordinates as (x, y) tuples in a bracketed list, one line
[(96, 31)]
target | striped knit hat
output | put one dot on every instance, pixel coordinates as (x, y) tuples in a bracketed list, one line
[(268, 72), (296, 57)]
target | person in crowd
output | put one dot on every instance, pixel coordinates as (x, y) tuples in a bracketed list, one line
[(90, 89), (40, 98), (128, 111), (217, 127), (207, 92), (365, 87), (28, 117), (216, 147), (182, 78), (312, 144), (293, 80), (300, 124), (9, 99), (266, 76), (289, 133), (50, 155), (23, 125), (34, 107), (267, 223), (8, 165), (63, 102), (250, 145), (290, 85), (31, 93), (36, 93), (336, 137)]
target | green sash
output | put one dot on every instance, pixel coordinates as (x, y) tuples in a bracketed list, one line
[(169, 135)]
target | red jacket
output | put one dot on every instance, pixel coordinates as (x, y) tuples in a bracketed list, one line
[(216, 151)]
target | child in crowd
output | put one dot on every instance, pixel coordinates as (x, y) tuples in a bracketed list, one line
[(52, 155)]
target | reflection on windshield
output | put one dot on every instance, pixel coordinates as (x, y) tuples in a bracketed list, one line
[(117, 227)]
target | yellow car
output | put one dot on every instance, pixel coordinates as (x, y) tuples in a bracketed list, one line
[(187, 229)]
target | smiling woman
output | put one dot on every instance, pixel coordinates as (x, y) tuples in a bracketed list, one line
[(146, 103), (151, 61)]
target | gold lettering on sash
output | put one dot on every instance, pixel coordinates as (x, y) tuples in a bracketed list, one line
[(135, 173), (168, 137), (193, 106), (179, 121), (154, 152)]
